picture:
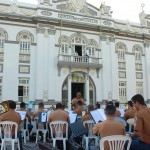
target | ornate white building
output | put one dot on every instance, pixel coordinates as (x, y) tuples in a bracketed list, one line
[(54, 49)]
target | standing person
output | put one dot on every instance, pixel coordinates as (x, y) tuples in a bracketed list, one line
[(142, 125), (12, 115), (110, 126), (130, 112), (78, 98)]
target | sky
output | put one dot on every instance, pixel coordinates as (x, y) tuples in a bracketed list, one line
[(122, 9)]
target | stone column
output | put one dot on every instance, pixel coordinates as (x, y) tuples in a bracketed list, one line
[(69, 92), (87, 90)]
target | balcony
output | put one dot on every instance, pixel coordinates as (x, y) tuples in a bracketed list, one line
[(79, 62)]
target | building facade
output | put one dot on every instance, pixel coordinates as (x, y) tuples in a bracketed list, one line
[(54, 49)]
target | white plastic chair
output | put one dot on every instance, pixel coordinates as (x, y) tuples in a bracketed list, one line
[(59, 131), (131, 123), (89, 124), (41, 126), (25, 130), (6, 134), (115, 142)]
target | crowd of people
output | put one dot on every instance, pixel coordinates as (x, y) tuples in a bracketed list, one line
[(137, 109)]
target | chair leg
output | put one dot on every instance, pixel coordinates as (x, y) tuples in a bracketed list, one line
[(54, 143), (37, 135), (18, 144), (2, 145), (87, 143), (64, 144), (13, 144), (24, 136), (45, 136)]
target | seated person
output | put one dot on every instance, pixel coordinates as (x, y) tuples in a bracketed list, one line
[(59, 115), (87, 115), (78, 108), (35, 117), (142, 125), (23, 108), (130, 112), (40, 109), (110, 126), (12, 115), (117, 114)]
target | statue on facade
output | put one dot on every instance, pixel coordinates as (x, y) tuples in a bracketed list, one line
[(142, 16)]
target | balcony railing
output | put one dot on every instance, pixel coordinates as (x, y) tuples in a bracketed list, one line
[(79, 61)]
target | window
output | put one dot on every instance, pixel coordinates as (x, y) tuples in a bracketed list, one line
[(139, 88), (92, 45), (138, 53), (122, 74), (64, 48), (139, 75), (122, 91), (121, 55), (2, 40), (1, 88), (25, 43), (121, 65), (138, 67), (23, 89)]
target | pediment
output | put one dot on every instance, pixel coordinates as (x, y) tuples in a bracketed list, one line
[(84, 9)]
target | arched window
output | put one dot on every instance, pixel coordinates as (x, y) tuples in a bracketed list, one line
[(137, 50), (92, 45), (64, 45), (25, 44), (121, 50)]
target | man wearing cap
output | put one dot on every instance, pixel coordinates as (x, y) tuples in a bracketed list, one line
[(142, 126)]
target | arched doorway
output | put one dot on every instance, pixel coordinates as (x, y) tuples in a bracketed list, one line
[(80, 82)]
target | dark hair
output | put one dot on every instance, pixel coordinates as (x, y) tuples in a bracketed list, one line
[(22, 104), (98, 105), (116, 104), (110, 110), (12, 105), (59, 106), (41, 105), (90, 107), (109, 103), (79, 103), (130, 103), (138, 98)]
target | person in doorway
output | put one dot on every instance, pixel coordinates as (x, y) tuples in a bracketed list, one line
[(76, 99)]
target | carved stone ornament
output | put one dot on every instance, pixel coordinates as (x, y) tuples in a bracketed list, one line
[(14, 8), (77, 4)]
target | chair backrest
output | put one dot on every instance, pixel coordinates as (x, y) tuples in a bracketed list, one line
[(59, 129), (115, 142), (24, 126), (8, 129), (131, 121), (121, 120), (89, 124)]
